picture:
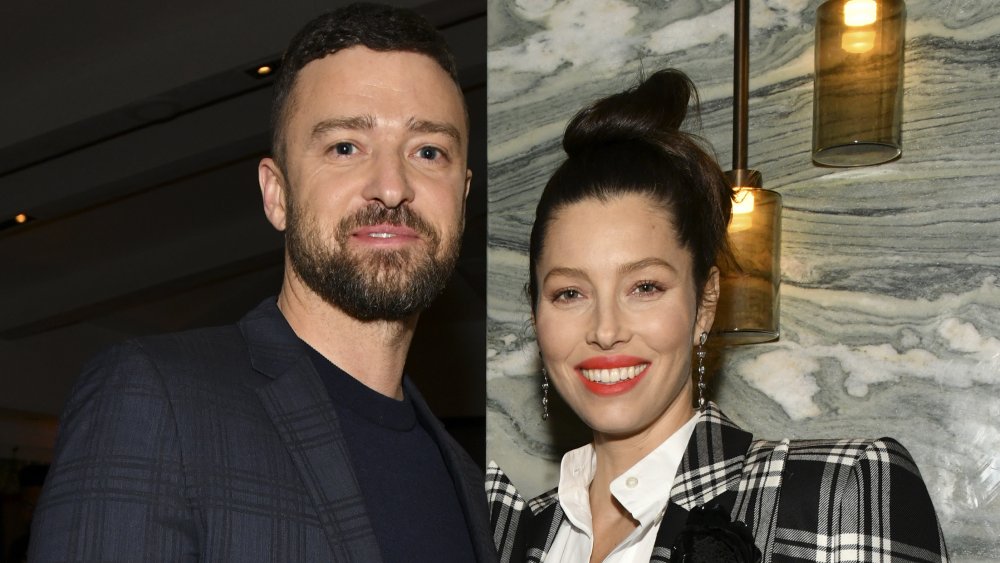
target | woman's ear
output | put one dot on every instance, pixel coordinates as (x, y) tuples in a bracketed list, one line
[(708, 305)]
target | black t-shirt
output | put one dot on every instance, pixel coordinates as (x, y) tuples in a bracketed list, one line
[(409, 494)]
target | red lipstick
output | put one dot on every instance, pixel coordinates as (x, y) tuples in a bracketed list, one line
[(611, 362)]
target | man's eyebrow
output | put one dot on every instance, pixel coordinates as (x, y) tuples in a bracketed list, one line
[(356, 122), (425, 126)]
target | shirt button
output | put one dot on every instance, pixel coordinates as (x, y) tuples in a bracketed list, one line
[(631, 482)]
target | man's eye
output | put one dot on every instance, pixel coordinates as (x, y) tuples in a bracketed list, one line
[(344, 149), (429, 153)]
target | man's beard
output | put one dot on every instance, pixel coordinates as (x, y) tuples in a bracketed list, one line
[(377, 284)]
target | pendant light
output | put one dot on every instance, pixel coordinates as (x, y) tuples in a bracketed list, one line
[(749, 302)]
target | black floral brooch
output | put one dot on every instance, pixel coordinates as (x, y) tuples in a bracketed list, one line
[(710, 536)]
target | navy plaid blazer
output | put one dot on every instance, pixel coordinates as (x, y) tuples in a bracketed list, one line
[(805, 500), (218, 444)]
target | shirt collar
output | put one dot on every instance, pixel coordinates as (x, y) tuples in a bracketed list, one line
[(643, 489), (575, 474)]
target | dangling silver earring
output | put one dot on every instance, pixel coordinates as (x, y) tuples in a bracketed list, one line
[(545, 395), (701, 370)]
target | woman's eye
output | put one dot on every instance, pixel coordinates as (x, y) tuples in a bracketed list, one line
[(566, 295), (646, 287), (344, 149)]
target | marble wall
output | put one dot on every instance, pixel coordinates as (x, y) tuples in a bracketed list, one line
[(890, 295)]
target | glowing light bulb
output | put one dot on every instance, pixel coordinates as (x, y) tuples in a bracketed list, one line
[(858, 13), (742, 210), (20, 218), (857, 41), (744, 201)]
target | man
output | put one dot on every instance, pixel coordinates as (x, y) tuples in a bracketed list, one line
[(293, 435)]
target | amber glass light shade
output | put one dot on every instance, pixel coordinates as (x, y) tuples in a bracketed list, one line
[(858, 91), (748, 300)]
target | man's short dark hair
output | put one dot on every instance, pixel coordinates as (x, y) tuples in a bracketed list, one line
[(375, 26)]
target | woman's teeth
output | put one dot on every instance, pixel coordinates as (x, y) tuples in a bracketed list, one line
[(613, 375)]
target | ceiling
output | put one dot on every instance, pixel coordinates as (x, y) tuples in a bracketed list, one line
[(131, 135)]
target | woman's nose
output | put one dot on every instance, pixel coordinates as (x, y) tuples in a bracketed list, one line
[(607, 327)]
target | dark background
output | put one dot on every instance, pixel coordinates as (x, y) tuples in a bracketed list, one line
[(130, 134)]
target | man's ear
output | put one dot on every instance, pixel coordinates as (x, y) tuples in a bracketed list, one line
[(708, 305), (272, 191)]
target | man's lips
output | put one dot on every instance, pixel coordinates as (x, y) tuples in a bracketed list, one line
[(385, 233), (611, 375)]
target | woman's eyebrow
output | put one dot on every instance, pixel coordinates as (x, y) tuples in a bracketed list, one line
[(646, 263), (565, 272)]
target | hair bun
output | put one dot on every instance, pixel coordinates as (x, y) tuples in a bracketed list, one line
[(655, 107)]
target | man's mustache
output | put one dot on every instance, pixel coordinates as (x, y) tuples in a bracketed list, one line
[(378, 214)]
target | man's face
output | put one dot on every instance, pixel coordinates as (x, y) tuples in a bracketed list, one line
[(372, 191)]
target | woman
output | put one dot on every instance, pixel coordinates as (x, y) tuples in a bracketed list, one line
[(623, 288)]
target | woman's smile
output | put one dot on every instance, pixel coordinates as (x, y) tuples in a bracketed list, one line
[(611, 375)]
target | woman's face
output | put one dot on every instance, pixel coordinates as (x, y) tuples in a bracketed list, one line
[(617, 315)]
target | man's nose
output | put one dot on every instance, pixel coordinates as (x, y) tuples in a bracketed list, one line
[(389, 183)]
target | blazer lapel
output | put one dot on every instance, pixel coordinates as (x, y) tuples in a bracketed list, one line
[(522, 531), (673, 520), (709, 472), (301, 410), (544, 523)]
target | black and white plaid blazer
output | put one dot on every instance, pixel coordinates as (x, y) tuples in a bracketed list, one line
[(805, 500)]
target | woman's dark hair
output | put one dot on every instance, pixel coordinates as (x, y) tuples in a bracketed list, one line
[(375, 26), (631, 143)]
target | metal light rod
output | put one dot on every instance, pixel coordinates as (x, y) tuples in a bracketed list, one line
[(741, 84)]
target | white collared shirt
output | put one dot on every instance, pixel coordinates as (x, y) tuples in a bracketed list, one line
[(643, 490)]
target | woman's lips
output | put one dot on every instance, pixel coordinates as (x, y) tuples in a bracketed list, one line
[(611, 375)]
